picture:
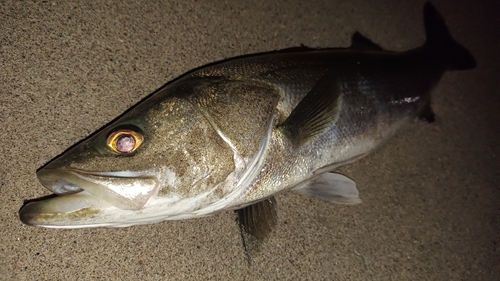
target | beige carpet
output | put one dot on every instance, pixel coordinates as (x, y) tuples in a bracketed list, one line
[(431, 195)]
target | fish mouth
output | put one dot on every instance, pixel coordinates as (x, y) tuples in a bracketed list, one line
[(81, 194)]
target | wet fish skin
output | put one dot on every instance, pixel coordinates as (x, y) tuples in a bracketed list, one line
[(234, 133)]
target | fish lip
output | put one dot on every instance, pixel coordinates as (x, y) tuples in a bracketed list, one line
[(118, 174), (123, 189), (93, 197), (45, 175), (63, 211)]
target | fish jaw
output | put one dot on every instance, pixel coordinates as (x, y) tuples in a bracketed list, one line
[(83, 210), (94, 206), (84, 199), (125, 191), (64, 211)]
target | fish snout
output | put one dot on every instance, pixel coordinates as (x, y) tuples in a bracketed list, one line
[(49, 179)]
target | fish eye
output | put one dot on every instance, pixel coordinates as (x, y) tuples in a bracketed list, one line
[(124, 141)]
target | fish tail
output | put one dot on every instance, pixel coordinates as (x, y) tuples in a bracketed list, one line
[(439, 40)]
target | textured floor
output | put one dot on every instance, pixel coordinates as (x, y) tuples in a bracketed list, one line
[(431, 195)]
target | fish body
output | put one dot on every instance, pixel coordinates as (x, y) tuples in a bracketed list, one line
[(233, 134)]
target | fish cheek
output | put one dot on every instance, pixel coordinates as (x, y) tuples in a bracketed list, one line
[(201, 161), (185, 148)]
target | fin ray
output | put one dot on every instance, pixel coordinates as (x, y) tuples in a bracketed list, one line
[(256, 222), (360, 42), (317, 110), (331, 187)]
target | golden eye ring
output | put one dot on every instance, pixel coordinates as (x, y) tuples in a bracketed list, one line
[(124, 141)]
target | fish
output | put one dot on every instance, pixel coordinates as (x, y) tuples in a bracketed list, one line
[(231, 135)]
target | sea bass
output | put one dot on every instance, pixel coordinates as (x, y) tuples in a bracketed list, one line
[(231, 135)]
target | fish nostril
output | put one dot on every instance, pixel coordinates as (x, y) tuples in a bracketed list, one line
[(62, 187)]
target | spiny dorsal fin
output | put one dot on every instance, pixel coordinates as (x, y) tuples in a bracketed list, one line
[(360, 42), (317, 110), (256, 221)]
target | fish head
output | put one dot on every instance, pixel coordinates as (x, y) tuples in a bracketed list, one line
[(161, 160)]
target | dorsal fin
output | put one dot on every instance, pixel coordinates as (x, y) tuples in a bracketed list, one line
[(360, 42), (302, 48)]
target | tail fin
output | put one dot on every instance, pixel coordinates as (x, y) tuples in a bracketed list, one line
[(439, 40)]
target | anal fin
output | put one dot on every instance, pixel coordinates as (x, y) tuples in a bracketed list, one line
[(331, 187)]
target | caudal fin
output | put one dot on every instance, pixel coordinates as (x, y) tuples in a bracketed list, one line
[(439, 40)]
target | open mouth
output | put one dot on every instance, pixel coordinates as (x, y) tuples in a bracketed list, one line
[(80, 193)]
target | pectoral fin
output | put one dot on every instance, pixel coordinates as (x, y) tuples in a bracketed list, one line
[(331, 187), (317, 110)]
